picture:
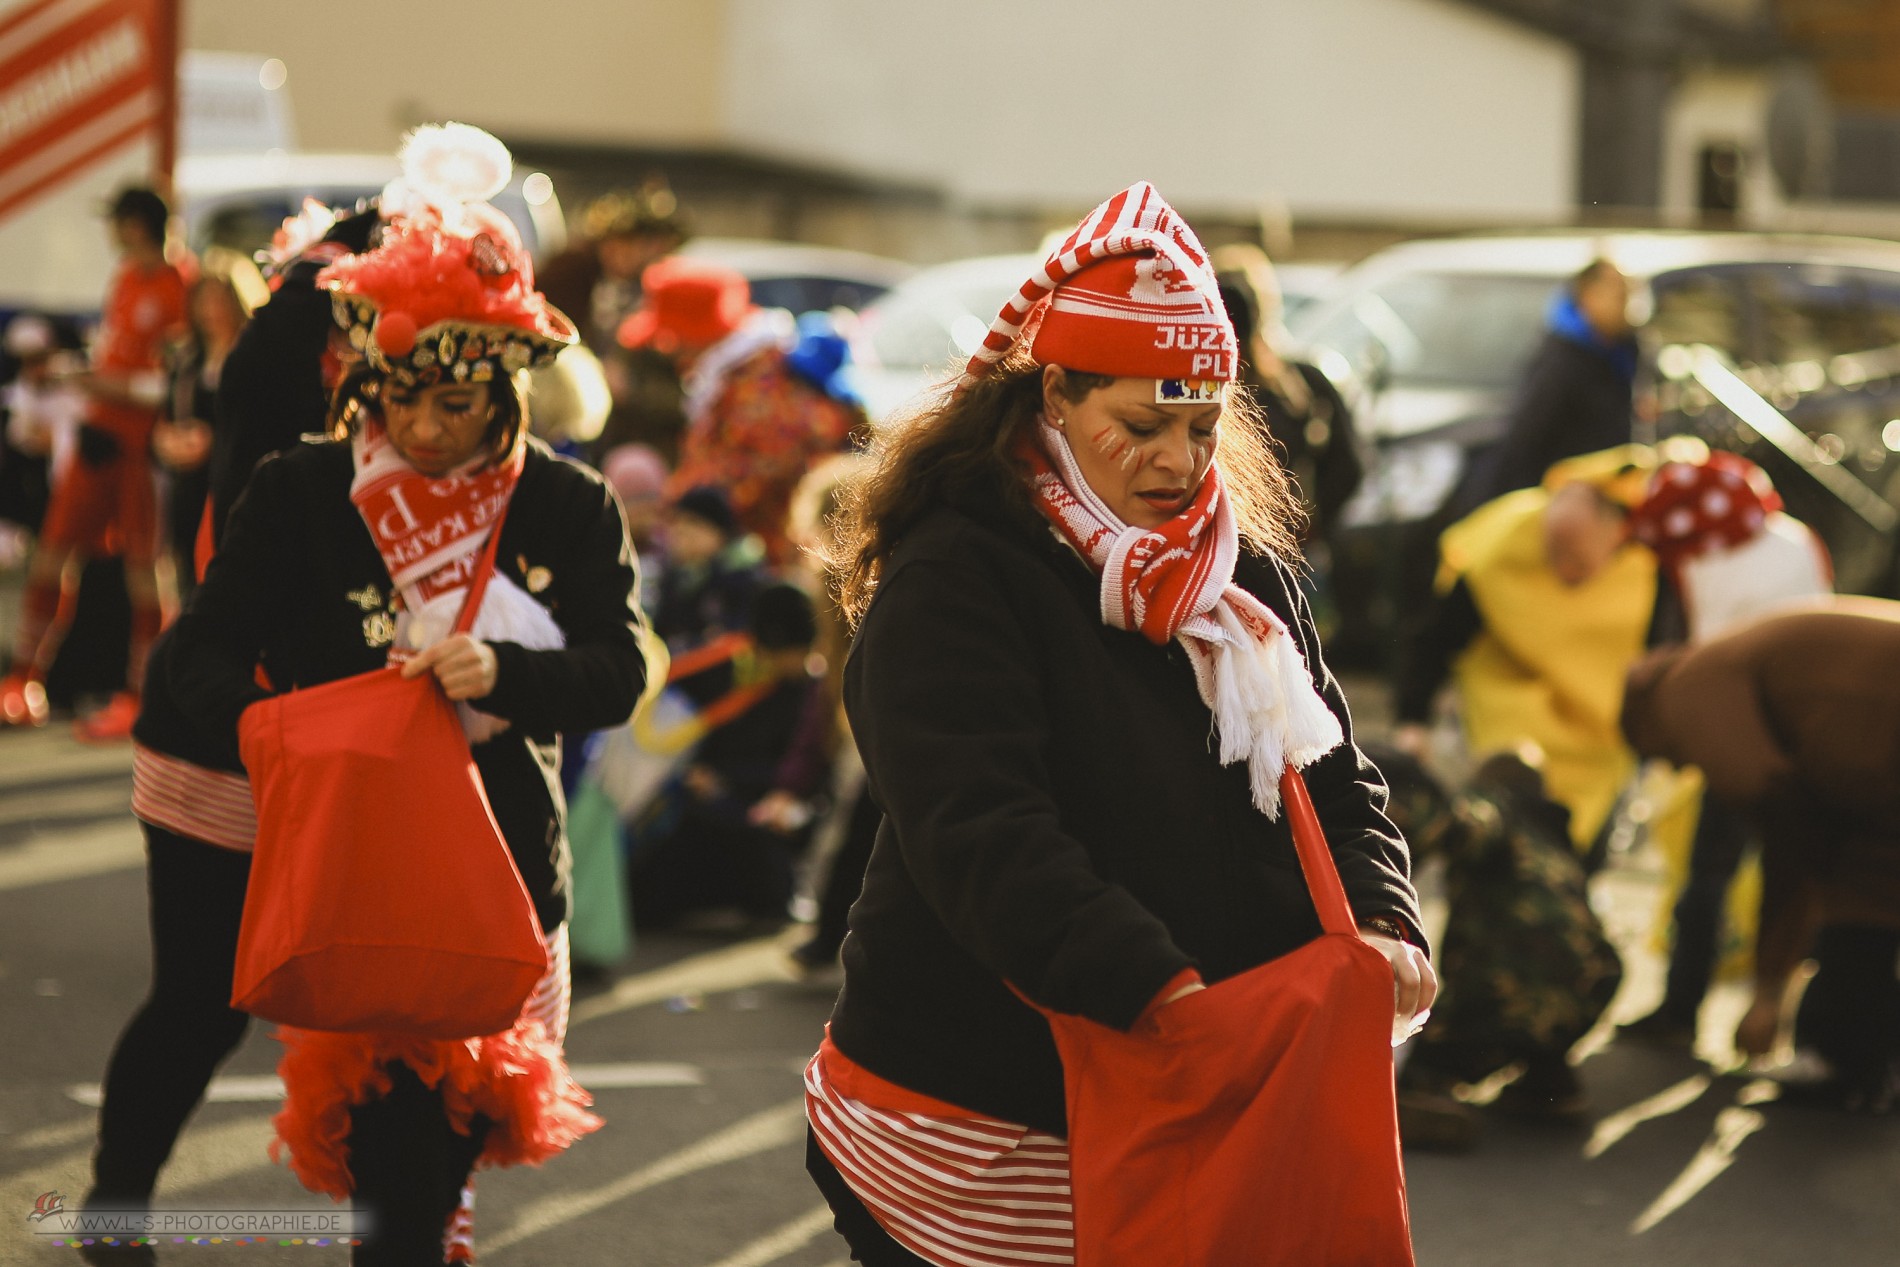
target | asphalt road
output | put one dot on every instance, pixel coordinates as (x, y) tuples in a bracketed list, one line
[(694, 1059)]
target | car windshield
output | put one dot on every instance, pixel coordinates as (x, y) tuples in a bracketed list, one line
[(1469, 330), (937, 325)]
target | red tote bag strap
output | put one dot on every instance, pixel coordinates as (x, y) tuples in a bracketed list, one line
[(484, 568), (1316, 859)]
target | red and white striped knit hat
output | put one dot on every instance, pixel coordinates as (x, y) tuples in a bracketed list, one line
[(1130, 293)]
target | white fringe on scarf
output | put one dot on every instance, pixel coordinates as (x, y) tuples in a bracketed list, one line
[(1266, 709), (507, 614)]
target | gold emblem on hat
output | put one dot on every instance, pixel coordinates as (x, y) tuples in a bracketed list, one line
[(369, 598), (539, 578)]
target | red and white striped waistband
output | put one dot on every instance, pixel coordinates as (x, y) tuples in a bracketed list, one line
[(955, 1191), (209, 805)]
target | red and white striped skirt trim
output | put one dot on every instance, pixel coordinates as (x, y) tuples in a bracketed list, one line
[(957, 1191), (209, 805)]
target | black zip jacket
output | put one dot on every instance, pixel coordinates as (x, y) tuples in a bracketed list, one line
[(1056, 818), (299, 587)]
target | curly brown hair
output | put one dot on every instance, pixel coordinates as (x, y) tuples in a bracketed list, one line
[(950, 441)]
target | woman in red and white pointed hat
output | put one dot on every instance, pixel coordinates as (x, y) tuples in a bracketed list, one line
[(1083, 669)]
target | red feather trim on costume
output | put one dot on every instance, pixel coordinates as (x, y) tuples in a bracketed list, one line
[(517, 1079)]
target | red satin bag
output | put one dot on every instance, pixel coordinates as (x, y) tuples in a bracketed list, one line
[(382, 895), (1251, 1124)]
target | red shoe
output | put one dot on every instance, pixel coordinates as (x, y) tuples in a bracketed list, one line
[(111, 724), (22, 701)]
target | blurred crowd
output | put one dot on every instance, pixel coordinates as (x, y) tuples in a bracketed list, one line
[(1619, 631)]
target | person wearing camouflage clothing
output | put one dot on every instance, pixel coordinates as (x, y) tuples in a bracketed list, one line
[(1525, 965)]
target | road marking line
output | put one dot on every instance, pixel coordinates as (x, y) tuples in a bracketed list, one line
[(60, 1136), (1613, 1129), (269, 1087), (205, 1155), (72, 855), (776, 1244), (760, 1133), (733, 968), (95, 803), (1732, 1126), (32, 757)]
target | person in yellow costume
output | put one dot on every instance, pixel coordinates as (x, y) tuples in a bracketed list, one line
[(1542, 606)]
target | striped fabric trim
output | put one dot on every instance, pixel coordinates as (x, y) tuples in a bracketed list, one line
[(554, 993), (957, 1191), (209, 805)]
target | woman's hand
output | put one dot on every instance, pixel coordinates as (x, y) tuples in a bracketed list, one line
[(1414, 984), (465, 668), (182, 446)]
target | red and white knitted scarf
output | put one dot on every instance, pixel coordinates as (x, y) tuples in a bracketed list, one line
[(429, 530), (1176, 582)]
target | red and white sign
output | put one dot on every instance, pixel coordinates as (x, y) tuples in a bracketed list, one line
[(78, 79)]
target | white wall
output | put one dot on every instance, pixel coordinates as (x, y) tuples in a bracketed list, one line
[(364, 71), (1375, 108)]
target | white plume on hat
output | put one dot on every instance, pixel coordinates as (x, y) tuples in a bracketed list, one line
[(446, 166)]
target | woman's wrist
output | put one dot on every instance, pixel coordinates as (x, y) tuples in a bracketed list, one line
[(1386, 926)]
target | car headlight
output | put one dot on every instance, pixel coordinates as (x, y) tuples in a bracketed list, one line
[(1406, 483)]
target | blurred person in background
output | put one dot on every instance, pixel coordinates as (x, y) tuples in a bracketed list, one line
[(637, 474), (106, 504), (1730, 555), (1525, 968), (1542, 604), (597, 279), (1304, 411), (44, 410), (1577, 393), (766, 396), (713, 854), (222, 297), (1794, 721), (278, 379), (709, 571)]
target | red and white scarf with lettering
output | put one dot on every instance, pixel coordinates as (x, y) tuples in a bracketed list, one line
[(1176, 582), (430, 531)]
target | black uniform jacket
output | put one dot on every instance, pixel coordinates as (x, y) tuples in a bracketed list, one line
[(298, 586), (1056, 816)]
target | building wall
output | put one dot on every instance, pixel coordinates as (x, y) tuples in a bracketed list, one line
[(604, 71), (1368, 108)]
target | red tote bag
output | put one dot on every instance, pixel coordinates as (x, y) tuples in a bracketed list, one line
[(382, 895), (1251, 1124)]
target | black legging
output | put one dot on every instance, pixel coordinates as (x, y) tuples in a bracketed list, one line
[(870, 1243), (408, 1164), (1850, 1012), (1721, 839), (186, 1026)]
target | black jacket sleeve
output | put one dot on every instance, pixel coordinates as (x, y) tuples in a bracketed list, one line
[(1349, 794), (221, 634), (1446, 629), (946, 706), (596, 679)]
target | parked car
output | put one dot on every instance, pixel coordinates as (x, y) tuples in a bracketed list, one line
[(1429, 339), (802, 278)]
